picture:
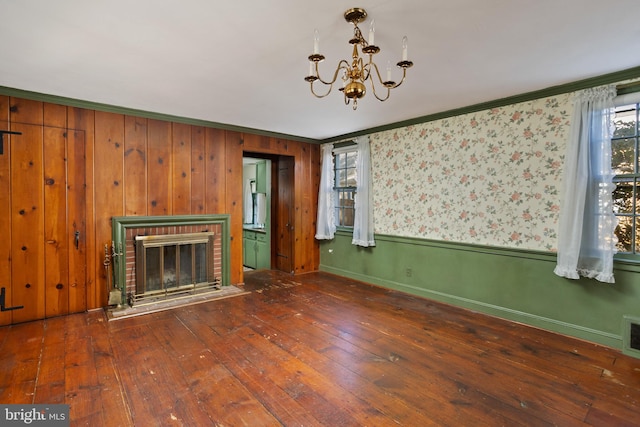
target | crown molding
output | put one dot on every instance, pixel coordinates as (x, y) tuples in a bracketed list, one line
[(619, 76), (616, 77), (72, 102)]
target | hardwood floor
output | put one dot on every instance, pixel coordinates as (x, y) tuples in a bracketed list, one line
[(315, 350)]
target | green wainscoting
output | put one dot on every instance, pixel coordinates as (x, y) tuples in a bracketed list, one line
[(507, 283)]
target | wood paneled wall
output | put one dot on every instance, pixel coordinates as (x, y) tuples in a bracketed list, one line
[(142, 166)]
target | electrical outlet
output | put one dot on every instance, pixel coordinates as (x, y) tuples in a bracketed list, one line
[(408, 272)]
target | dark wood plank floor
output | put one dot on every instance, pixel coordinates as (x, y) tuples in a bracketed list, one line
[(315, 350)]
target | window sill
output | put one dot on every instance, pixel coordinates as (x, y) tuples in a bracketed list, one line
[(344, 229), (627, 262)]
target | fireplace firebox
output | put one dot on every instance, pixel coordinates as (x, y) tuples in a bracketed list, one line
[(174, 264)]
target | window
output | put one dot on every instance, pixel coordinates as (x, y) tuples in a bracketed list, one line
[(345, 185), (625, 155)]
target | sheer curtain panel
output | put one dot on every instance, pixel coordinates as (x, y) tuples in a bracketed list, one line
[(325, 224), (363, 220), (586, 239)]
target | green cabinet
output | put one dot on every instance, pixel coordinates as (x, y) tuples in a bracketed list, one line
[(256, 249), (261, 177)]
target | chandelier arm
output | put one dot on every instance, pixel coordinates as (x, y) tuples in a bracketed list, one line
[(373, 86), (404, 76), (341, 65), (320, 96), (366, 68)]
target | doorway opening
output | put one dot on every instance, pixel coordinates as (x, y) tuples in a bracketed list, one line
[(277, 231)]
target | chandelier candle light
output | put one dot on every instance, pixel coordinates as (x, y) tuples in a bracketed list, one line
[(354, 75)]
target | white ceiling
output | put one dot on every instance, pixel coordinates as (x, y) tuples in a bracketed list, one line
[(242, 63)]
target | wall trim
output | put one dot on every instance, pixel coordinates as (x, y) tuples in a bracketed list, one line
[(600, 337), (621, 262)]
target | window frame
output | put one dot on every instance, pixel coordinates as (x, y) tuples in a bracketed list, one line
[(342, 149), (633, 179)]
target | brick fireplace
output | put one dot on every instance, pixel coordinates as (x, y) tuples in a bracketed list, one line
[(187, 254)]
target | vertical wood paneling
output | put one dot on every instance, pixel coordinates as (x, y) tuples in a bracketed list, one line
[(215, 163), (54, 115), (305, 233), (27, 223), (135, 170), (298, 192), (257, 143), (132, 166), (159, 167), (83, 120), (26, 111), (198, 170), (233, 194), (55, 223), (109, 194), (312, 187), (77, 221), (181, 165), (5, 210)]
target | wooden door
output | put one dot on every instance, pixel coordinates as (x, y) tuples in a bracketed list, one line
[(46, 181), (285, 215)]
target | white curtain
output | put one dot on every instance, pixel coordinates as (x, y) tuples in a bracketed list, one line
[(586, 239), (325, 224), (248, 203), (363, 221)]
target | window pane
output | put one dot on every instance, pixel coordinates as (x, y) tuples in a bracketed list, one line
[(623, 197), (636, 197), (341, 178), (624, 233), (347, 217), (625, 121), (351, 159), (345, 198), (351, 177), (636, 235), (623, 156), (341, 161)]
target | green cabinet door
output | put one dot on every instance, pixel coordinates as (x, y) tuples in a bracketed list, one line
[(263, 255), (261, 177), (249, 249)]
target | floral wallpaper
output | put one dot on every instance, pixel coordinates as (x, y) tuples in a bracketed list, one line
[(492, 177)]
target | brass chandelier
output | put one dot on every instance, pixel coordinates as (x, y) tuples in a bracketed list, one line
[(355, 74)]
